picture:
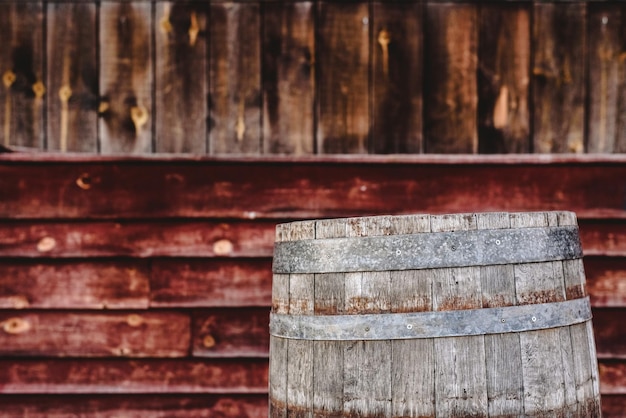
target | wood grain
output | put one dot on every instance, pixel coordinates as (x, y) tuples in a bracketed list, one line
[(608, 331), (76, 284), (72, 71), (21, 68), (558, 79), (288, 77), (605, 281), (102, 376), (606, 70), (125, 334), (210, 283), (450, 86), (503, 78), (397, 71), (342, 75), (257, 189), (235, 332), (235, 78), (136, 405), (126, 78), (211, 238), (180, 77)]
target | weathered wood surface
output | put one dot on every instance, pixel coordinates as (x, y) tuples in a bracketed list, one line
[(503, 78), (342, 75), (180, 77), (605, 281), (558, 77), (450, 86), (288, 77), (126, 78), (72, 71), (257, 189), (397, 77), (235, 98), (115, 376), (136, 405), (22, 71), (126, 334)]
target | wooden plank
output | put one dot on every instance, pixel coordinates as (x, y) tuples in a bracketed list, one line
[(84, 334), (288, 77), (558, 82), (460, 364), (95, 376), (342, 58), (603, 238), (136, 239), (450, 91), (21, 57), (243, 189), (126, 78), (72, 71), (613, 406), (235, 78), (136, 405), (605, 62), (608, 330), (236, 332), (119, 284), (180, 77), (605, 281), (397, 71), (503, 78), (613, 375), (210, 283)]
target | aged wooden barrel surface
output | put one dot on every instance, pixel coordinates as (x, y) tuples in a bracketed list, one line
[(464, 315)]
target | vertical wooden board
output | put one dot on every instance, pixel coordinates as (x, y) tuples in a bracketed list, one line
[(558, 82), (412, 361), (460, 375), (21, 68), (502, 351), (342, 58), (72, 119), (503, 78), (604, 58), (397, 77), (126, 78), (235, 78), (620, 140), (450, 87), (288, 77), (181, 77), (583, 372), (278, 378)]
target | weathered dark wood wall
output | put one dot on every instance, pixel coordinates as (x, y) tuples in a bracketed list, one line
[(141, 286), (303, 77)]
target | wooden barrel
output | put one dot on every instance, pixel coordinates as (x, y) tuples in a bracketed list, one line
[(465, 315)]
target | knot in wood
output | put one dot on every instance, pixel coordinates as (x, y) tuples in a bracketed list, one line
[(46, 244), (65, 93), (139, 116), (39, 89), (8, 78), (84, 181), (15, 326)]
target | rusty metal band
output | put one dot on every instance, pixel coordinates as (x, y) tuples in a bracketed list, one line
[(417, 325), (428, 250)]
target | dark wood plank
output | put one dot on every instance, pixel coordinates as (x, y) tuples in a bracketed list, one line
[(558, 79), (237, 332), (85, 334), (606, 238), (607, 75), (126, 77), (95, 376), (72, 71), (117, 284), (288, 77), (613, 377), (210, 283), (503, 78), (342, 68), (397, 70), (134, 406), (606, 282), (180, 77), (613, 406), (21, 68), (136, 239), (450, 86), (235, 78), (245, 189), (609, 332)]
